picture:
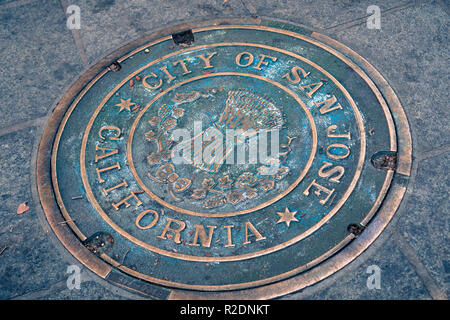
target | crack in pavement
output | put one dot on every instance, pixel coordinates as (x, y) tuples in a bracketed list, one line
[(410, 254)]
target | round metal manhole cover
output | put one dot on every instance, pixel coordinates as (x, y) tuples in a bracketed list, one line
[(224, 160)]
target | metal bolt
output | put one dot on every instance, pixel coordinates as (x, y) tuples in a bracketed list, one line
[(355, 229), (115, 66)]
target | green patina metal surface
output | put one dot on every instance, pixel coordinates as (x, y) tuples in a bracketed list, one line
[(230, 226)]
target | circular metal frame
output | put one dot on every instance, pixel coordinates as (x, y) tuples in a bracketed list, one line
[(334, 260)]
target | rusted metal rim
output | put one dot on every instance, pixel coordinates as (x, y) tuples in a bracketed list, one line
[(379, 219)]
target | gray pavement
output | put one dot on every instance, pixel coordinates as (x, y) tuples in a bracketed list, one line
[(41, 57)]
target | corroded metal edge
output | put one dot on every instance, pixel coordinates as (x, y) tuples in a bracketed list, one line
[(46, 194), (330, 266)]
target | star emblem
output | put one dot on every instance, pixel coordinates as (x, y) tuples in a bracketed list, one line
[(125, 104), (287, 216)]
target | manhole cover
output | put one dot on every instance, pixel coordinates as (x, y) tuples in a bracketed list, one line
[(224, 160)]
